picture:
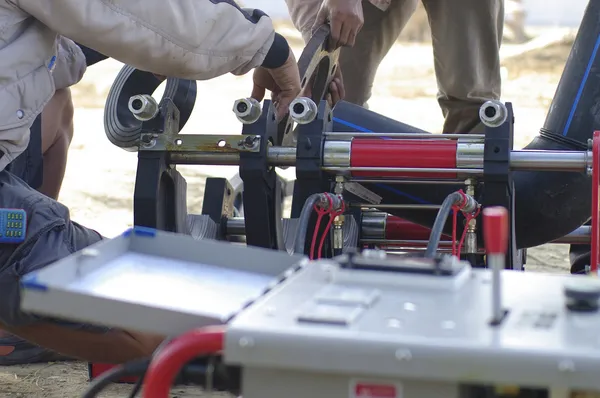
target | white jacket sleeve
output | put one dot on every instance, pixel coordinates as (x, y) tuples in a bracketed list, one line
[(304, 14), (70, 64), (190, 39)]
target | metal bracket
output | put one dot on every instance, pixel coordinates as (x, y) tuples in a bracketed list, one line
[(498, 189), (310, 178), (595, 256), (159, 198), (218, 202), (209, 143), (262, 188)]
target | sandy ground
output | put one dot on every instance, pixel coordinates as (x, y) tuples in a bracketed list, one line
[(99, 181)]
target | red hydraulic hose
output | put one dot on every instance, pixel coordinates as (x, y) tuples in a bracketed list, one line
[(170, 360)]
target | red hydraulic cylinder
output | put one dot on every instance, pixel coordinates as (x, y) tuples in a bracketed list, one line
[(404, 153), (397, 228)]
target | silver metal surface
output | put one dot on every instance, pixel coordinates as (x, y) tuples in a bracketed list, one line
[(400, 242), (418, 330), (303, 110), (405, 170), (575, 161), (373, 225), (400, 182), (469, 154), (337, 153), (125, 282), (247, 110), (350, 135), (143, 107), (281, 156), (496, 263), (337, 158), (493, 113), (394, 206), (277, 156)]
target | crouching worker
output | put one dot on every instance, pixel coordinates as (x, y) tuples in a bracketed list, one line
[(188, 39)]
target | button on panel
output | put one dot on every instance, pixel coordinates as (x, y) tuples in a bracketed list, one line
[(340, 295), (327, 314)]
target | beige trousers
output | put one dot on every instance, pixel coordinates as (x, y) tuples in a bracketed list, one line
[(466, 38)]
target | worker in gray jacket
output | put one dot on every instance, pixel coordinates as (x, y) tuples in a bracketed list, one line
[(189, 39), (466, 37)]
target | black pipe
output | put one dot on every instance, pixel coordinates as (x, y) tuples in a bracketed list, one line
[(549, 205)]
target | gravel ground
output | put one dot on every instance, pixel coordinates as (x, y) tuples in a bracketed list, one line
[(99, 181)]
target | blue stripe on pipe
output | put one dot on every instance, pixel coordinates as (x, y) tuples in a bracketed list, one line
[(383, 186), (581, 87)]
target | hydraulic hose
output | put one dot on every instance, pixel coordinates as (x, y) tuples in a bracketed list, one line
[(170, 360), (437, 230), (304, 220), (548, 205)]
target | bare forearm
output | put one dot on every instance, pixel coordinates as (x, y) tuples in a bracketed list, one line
[(110, 347)]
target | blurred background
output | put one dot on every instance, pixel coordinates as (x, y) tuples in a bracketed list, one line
[(100, 177)]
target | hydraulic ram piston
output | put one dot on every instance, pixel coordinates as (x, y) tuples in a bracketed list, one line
[(384, 229), (374, 158)]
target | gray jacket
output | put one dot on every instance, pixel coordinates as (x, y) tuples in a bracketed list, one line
[(190, 39)]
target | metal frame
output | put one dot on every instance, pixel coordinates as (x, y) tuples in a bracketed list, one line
[(262, 186), (595, 255)]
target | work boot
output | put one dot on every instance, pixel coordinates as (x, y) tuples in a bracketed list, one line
[(16, 351)]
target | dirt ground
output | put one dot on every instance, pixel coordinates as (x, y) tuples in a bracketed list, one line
[(99, 181)]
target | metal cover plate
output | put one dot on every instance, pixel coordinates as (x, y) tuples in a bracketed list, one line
[(159, 282)]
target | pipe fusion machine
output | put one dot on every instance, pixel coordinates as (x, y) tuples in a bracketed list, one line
[(394, 275)]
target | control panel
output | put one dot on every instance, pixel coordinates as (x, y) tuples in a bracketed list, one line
[(13, 225), (407, 318)]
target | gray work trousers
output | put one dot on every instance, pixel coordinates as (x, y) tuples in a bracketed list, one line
[(466, 37)]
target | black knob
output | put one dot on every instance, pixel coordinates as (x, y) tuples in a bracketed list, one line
[(582, 294)]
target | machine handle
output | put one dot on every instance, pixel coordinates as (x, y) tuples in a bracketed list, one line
[(495, 230)]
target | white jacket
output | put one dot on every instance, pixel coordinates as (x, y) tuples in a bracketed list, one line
[(190, 39)]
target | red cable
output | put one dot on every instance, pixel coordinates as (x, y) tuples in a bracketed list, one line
[(332, 215), (170, 360), (456, 209), (321, 212), (468, 217)]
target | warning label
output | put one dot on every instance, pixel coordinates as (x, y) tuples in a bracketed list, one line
[(365, 389)]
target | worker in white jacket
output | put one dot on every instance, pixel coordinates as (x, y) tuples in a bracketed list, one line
[(190, 39)]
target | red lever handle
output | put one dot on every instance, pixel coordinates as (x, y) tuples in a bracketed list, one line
[(495, 230)]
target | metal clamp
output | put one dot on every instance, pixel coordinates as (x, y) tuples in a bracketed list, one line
[(143, 107), (493, 113), (303, 110), (247, 110)]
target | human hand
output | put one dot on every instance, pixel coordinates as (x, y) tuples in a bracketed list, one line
[(335, 92), (283, 82), (346, 20)]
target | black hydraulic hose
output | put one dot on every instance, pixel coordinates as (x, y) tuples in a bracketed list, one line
[(138, 385), (440, 221), (222, 377), (304, 220), (548, 205), (130, 369)]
